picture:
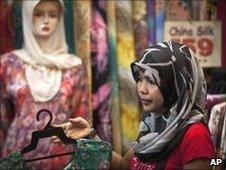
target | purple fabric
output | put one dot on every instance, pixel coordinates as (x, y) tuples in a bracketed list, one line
[(151, 21), (100, 84), (213, 99)]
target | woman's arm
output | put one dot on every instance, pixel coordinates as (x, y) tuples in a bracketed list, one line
[(198, 164), (78, 127), (119, 162)]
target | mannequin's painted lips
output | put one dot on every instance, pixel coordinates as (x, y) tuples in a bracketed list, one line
[(45, 28)]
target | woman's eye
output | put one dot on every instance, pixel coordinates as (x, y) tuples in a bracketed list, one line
[(152, 82), (139, 78)]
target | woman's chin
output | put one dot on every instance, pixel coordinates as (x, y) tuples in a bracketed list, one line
[(147, 109), (151, 109)]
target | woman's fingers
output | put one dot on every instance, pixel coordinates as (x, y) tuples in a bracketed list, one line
[(75, 119), (76, 128), (79, 122), (63, 126), (55, 139)]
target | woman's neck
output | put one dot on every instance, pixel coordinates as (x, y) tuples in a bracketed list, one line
[(44, 44), (159, 111)]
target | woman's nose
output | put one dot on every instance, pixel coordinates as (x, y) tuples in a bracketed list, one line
[(142, 87)]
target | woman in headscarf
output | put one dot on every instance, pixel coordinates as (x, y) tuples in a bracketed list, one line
[(173, 132), (41, 75)]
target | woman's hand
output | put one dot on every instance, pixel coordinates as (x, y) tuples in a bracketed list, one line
[(76, 128)]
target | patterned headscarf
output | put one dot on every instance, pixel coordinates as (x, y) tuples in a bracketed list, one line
[(175, 70)]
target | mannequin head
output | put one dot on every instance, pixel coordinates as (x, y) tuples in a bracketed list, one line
[(42, 46), (46, 16)]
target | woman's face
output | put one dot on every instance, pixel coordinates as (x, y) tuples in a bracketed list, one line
[(45, 18), (149, 93)]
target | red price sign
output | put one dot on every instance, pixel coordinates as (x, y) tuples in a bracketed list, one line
[(202, 46)]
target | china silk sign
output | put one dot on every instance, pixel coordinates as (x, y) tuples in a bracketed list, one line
[(203, 37)]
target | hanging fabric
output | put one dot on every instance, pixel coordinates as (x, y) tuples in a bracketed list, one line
[(151, 22), (215, 124), (82, 36), (129, 109), (222, 152), (140, 26), (212, 100), (101, 85), (115, 110), (160, 15), (7, 33), (69, 25)]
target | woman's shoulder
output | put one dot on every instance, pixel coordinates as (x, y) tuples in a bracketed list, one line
[(77, 70), (197, 129), (196, 143), (197, 138), (8, 58)]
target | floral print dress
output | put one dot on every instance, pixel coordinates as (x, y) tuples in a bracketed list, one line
[(18, 111)]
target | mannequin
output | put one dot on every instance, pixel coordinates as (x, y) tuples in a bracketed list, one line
[(41, 75)]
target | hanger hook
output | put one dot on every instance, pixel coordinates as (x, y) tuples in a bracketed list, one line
[(50, 114)]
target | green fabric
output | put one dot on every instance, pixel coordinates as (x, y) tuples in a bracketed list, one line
[(13, 161), (17, 24), (69, 25), (91, 154)]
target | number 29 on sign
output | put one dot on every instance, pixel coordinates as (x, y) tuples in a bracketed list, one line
[(201, 46)]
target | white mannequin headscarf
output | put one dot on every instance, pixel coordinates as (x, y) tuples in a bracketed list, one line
[(44, 71)]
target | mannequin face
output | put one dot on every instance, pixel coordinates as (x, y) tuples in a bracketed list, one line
[(149, 93), (45, 18)]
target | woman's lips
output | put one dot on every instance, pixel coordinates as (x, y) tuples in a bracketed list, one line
[(146, 101)]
